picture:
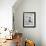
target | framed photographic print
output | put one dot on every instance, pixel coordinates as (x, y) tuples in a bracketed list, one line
[(29, 19)]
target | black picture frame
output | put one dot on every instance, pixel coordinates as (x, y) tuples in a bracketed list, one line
[(29, 19)]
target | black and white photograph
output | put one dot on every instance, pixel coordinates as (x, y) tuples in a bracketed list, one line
[(29, 19)]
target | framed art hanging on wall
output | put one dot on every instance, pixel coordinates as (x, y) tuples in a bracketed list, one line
[(29, 19)]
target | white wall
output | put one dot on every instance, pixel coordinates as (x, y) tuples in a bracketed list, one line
[(6, 13), (43, 22), (30, 33)]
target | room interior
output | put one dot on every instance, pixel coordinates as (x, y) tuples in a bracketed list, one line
[(15, 30)]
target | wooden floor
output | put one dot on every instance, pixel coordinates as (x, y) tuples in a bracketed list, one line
[(9, 43)]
